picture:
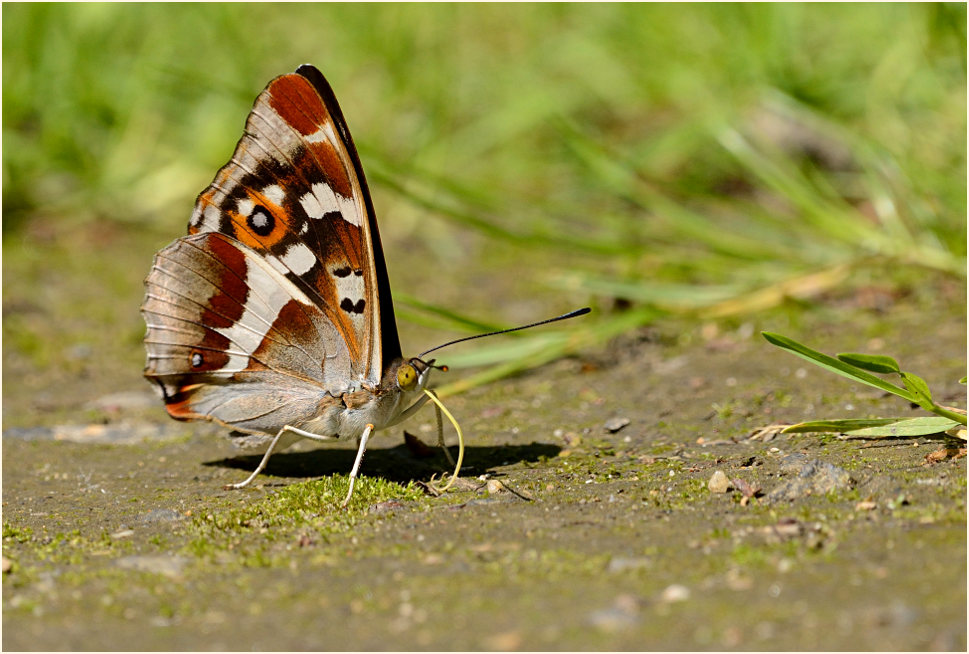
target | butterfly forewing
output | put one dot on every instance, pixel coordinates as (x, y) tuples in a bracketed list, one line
[(293, 192), (278, 300)]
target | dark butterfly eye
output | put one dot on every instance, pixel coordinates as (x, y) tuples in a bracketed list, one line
[(197, 360), (406, 377)]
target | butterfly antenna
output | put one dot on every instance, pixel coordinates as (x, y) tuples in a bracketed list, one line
[(565, 316)]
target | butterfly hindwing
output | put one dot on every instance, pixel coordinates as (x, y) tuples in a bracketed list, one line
[(223, 325)]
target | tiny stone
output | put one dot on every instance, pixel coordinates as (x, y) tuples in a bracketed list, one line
[(7, 565), (718, 482), (808, 476), (675, 593), (615, 424), (494, 486)]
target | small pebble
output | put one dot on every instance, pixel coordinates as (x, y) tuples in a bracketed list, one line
[(675, 593), (807, 476), (615, 424), (7, 565), (718, 482)]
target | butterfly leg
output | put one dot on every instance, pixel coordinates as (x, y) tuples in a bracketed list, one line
[(440, 433), (283, 439), (361, 448)]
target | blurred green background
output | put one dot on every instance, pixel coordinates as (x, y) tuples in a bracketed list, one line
[(710, 161)]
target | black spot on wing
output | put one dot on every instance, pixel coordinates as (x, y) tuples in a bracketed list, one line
[(348, 305)]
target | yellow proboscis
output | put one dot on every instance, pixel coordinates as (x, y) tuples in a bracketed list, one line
[(457, 428)]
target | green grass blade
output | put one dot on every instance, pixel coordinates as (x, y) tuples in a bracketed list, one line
[(917, 386), (870, 362), (880, 427), (669, 295), (838, 426), (836, 366), (923, 426), (461, 212), (827, 214), (513, 349), (559, 346)]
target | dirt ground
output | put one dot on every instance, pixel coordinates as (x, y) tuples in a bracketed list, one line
[(584, 517)]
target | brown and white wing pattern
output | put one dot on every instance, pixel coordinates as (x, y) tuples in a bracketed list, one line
[(231, 339), (279, 295)]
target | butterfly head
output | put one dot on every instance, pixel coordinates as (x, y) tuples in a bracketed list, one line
[(412, 375)]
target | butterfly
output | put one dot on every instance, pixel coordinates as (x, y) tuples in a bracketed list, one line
[(274, 315)]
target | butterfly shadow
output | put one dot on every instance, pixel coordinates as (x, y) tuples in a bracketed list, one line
[(398, 464)]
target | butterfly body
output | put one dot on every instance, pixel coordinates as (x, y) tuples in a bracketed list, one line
[(273, 316)]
